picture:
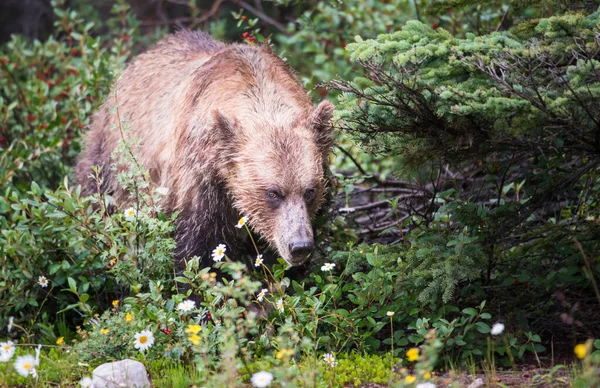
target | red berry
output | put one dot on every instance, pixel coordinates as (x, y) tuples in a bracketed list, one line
[(45, 125), (31, 118), (74, 52), (167, 331), (4, 61), (244, 18), (126, 38), (516, 283), (251, 39), (434, 26), (245, 34)]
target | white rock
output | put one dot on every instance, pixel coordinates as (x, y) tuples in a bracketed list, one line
[(125, 373)]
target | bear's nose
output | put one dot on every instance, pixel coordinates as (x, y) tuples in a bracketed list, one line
[(301, 248)]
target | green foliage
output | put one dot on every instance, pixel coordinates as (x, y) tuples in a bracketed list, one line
[(47, 229), (516, 119)]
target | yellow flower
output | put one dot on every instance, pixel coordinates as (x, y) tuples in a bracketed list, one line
[(128, 317), (115, 303), (195, 339), (410, 379), (193, 329), (412, 354), (580, 350), (104, 331), (112, 261), (284, 354), (60, 341), (427, 376)]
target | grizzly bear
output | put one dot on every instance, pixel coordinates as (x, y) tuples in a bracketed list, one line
[(229, 130)]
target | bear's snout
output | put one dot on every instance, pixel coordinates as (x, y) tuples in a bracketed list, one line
[(300, 249)]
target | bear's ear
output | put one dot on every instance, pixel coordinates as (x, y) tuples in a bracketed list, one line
[(319, 121), (224, 137), (225, 128)]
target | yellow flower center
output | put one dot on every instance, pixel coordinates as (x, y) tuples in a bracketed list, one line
[(27, 366), (143, 339), (7, 347)]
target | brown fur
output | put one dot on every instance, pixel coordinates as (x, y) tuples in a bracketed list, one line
[(220, 126)]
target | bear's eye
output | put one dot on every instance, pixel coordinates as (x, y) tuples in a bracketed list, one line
[(309, 195), (274, 197)]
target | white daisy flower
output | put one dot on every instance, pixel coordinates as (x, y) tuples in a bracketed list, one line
[(329, 359), (186, 305), (219, 252), (25, 365), (86, 382), (497, 329), (130, 213), (279, 305), (5, 357), (259, 261), (390, 313), (261, 379), (162, 190), (7, 348), (10, 323), (43, 282), (242, 221), (425, 385), (83, 364), (144, 340), (262, 294), (328, 267)]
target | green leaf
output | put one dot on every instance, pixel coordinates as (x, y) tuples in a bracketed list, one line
[(72, 284), (483, 327)]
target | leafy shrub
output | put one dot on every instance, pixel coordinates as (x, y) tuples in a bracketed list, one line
[(47, 229), (512, 198)]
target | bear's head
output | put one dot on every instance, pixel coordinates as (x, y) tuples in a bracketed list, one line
[(275, 175)]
